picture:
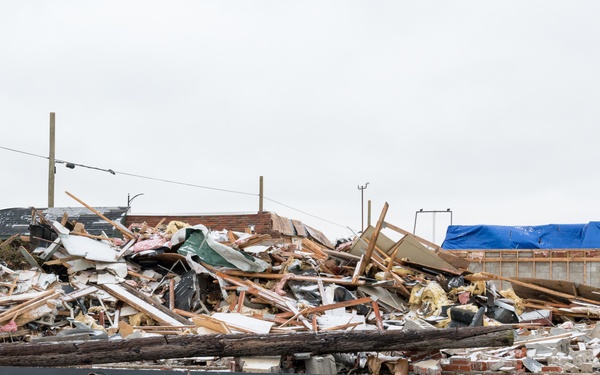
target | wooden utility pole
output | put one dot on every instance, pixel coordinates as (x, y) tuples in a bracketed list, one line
[(74, 353), (260, 195), (51, 166)]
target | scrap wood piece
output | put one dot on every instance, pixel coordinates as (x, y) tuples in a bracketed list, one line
[(206, 321), (314, 248), (231, 236), (252, 240), (349, 303), (139, 304), (373, 241), (9, 240), (27, 297), (236, 345), (155, 229), (25, 307), (120, 228)]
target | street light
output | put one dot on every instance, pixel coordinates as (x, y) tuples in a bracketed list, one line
[(362, 206), (129, 200)]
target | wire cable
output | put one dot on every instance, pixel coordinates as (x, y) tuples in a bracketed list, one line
[(185, 183), (23, 152), (306, 213)]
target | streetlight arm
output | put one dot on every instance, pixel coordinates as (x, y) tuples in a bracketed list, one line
[(129, 200)]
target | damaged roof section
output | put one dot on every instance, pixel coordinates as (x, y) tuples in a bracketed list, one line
[(17, 220)]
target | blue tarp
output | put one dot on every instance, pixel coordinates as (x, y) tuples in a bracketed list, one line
[(551, 236)]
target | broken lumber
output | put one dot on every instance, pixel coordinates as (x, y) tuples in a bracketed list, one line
[(119, 227), (371, 246), (73, 353)]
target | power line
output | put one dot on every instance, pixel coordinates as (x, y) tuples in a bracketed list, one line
[(72, 165), (23, 152), (185, 184), (306, 213)]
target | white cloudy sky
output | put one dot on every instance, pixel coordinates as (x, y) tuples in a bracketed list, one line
[(488, 108)]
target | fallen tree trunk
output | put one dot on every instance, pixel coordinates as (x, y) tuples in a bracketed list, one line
[(233, 345)]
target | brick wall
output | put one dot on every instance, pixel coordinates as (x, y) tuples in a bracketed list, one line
[(235, 222)]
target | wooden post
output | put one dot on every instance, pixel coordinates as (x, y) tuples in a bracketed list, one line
[(373, 240), (369, 213), (51, 161), (260, 194)]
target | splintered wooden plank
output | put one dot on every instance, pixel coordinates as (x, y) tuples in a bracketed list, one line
[(314, 248), (139, 304), (211, 323)]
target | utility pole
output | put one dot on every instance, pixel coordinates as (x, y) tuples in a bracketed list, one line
[(51, 166), (369, 213), (362, 206), (260, 194)]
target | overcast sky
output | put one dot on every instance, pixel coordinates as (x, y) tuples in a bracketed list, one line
[(488, 108)]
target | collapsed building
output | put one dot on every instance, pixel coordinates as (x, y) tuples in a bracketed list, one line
[(92, 286)]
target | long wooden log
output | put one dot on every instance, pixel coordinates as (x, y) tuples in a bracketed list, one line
[(74, 353)]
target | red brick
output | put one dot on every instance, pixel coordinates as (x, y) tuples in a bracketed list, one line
[(455, 367), (449, 367), (460, 361)]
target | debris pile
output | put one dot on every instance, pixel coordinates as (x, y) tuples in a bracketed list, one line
[(180, 295)]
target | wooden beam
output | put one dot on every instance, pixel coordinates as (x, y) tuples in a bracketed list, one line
[(119, 227), (373, 241)]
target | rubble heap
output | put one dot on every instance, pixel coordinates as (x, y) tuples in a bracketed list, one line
[(245, 301)]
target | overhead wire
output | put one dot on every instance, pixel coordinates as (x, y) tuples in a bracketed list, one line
[(72, 165), (185, 183)]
